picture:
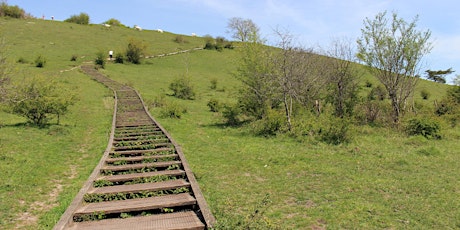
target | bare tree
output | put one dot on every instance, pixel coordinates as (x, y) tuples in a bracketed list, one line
[(243, 29), (393, 49), (343, 77)]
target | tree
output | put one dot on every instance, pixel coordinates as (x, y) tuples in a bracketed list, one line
[(393, 51), (135, 50), (243, 29), (438, 75), (5, 69), (38, 98), (343, 77), (82, 19)]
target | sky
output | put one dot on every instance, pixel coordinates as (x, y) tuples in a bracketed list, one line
[(313, 23)]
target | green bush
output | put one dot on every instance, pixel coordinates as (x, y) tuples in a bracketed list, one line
[(135, 51), (336, 132), (38, 99), (180, 39), (113, 22), (425, 94), (231, 114), (82, 19), (182, 88), (73, 58), (172, 110), (119, 58), (214, 105), (100, 59), (40, 61), (11, 11), (273, 123), (22, 60), (428, 128), (213, 84)]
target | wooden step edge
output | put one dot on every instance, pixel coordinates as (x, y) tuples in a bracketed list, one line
[(178, 221), (133, 176), (134, 205), (142, 151), (144, 187), (140, 158), (139, 166)]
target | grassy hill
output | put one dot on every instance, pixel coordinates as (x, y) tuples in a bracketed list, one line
[(382, 179)]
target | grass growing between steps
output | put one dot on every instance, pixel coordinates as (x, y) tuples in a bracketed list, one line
[(43, 169)]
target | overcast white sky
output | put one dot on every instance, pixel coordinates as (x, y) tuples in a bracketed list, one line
[(313, 22)]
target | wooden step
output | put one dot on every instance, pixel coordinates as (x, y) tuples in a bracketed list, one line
[(134, 176), (116, 168), (133, 205), (144, 151), (170, 221), (145, 187), (140, 158), (142, 147)]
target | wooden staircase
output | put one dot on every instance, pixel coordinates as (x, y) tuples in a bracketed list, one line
[(142, 181)]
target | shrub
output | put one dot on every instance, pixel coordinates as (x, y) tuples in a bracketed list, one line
[(182, 88), (100, 59), (172, 110), (213, 84), (22, 60), (113, 22), (40, 61), (377, 93), (38, 98), (119, 58), (73, 58), (231, 114), (180, 39), (214, 105), (271, 124), (135, 51), (425, 94), (82, 19), (11, 11), (426, 127), (336, 132)]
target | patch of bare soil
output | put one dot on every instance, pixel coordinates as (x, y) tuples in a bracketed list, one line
[(30, 218)]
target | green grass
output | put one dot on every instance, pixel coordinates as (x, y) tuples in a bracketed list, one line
[(382, 179)]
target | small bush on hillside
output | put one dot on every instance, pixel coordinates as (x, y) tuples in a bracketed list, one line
[(119, 58), (21, 60), (135, 51), (40, 61), (38, 99), (213, 84), (377, 93), (11, 11), (182, 88), (180, 39), (214, 105), (231, 114), (172, 110), (113, 22), (82, 19), (336, 132), (425, 94), (100, 59), (273, 123), (425, 127), (73, 58)]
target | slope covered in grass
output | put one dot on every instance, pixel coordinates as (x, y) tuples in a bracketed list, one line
[(382, 179)]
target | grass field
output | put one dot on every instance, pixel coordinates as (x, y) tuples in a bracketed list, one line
[(382, 179)]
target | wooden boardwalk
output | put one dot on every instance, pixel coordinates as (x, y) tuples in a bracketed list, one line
[(142, 181)]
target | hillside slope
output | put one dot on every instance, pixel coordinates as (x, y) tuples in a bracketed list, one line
[(382, 179)]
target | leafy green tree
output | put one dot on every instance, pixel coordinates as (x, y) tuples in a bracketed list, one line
[(135, 50), (11, 11), (244, 30), (82, 19), (393, 50), (114, 22), (38, 99), (438, 75)]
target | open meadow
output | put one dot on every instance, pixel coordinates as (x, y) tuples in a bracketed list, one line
[(382, 179)]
